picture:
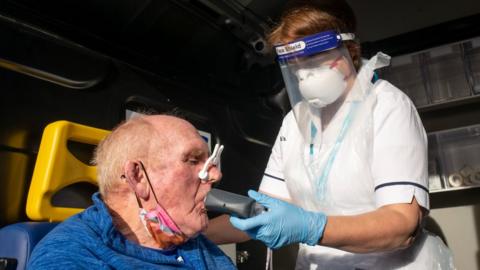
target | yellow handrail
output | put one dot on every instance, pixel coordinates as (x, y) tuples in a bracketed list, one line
[(57, 168)]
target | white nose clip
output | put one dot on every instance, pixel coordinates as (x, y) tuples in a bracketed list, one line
[(214, 159)]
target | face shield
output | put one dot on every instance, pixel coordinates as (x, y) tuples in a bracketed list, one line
[(318, 72)]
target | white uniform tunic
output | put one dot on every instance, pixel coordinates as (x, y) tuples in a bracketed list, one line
[(396, 172)]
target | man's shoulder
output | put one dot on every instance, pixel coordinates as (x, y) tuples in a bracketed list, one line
[(215, 257), (67, 242), (208, 245), (75, 227)]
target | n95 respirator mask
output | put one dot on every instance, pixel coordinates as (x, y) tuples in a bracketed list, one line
[(321, 86)]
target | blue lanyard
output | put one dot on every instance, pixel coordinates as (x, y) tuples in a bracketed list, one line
[(333, 154), (313, 133)]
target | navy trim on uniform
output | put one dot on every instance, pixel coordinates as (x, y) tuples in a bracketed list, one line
[(401, 183), (274, 177)]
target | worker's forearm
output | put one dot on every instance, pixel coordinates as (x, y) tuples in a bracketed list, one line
[(220, 231), (381, 230)]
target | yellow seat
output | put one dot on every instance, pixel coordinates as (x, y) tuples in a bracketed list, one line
[(57, 168)]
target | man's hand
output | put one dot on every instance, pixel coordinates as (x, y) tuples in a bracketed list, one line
[(282, 224)]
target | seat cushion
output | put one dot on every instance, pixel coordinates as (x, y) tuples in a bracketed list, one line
[(18, 240)]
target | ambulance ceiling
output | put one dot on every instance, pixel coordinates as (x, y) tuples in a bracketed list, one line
[(218, 40), (379, 19), (172, 33)]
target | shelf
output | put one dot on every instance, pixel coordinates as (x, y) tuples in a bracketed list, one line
[(440, 77), (453, 189), (456, 198), (449, 104)]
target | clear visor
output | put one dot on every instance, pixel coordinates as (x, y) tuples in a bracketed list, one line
[(320, 78), (329, 58), (315, 83)]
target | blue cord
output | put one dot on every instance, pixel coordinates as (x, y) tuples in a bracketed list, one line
[(333, 154), (313, 133)]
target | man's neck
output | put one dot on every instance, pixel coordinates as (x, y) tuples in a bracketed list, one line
[(125, 216)]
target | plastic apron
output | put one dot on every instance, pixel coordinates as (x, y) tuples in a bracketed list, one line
[(349, 187)]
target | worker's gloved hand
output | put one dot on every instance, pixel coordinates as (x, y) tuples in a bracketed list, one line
[(282, 224)]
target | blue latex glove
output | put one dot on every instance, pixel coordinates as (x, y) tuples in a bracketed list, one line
[(282, 224)]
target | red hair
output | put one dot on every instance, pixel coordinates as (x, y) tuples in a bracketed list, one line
[(303, 18)]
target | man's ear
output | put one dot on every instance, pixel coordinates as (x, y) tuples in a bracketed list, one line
[(135, 177)]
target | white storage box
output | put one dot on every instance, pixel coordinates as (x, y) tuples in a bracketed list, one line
[(454, 158), (446, 73), (405, 73), (472, 55)]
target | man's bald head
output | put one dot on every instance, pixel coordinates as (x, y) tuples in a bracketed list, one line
[(169, 128), (141, 138)]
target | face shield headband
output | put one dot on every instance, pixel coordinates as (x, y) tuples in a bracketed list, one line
[(311, 45)]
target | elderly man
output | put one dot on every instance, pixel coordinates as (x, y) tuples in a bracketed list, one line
[(150, 209)]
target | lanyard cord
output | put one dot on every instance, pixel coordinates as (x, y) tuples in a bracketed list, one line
[(313, 133), (269, 260), (336, 147)]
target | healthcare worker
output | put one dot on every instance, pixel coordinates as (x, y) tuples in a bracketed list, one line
[(347, 177)]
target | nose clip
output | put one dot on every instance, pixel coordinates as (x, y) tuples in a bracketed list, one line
[(214, 159)]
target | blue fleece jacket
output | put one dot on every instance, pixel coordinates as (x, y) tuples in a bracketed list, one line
[(89, 240)]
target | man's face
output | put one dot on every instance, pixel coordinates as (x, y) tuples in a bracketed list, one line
[(176, 182)]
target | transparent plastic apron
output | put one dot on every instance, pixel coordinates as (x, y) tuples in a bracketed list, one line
[(348, 157)]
